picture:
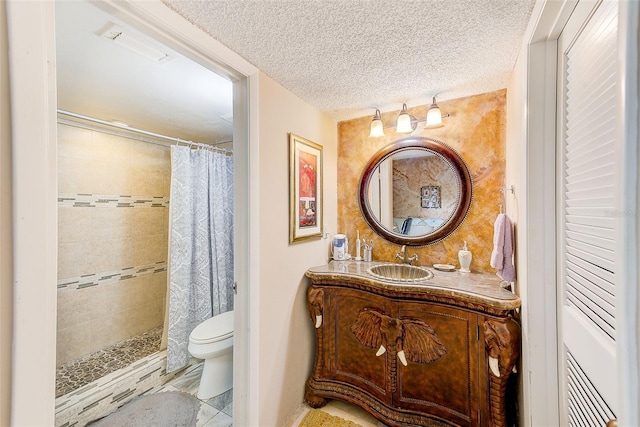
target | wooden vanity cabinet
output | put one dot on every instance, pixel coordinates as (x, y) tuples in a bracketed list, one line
[(449, 386), (408, 361)]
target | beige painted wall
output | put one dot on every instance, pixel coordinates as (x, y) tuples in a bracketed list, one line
[(6, 246), (514, 154), (286, 332), (516, 135), (108, 239)]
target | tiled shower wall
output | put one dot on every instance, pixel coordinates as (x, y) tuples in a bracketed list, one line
[(112, 238)]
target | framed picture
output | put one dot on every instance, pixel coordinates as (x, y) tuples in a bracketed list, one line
[(430, 196), (305, 189)]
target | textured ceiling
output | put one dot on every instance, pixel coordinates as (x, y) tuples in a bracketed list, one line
[(349, 56)]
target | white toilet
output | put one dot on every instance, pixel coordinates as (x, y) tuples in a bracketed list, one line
[(212, 340)]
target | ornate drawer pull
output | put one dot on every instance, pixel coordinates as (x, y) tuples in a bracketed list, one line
[(315, 297)]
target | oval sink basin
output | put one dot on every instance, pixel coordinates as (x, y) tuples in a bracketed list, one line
[(400, 272)]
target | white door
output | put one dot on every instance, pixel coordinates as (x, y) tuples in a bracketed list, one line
[(381, 194), (587, 119)]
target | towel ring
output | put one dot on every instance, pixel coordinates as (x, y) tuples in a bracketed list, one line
[(511, 188)]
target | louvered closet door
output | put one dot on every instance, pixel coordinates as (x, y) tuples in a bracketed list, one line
[(587, 138)]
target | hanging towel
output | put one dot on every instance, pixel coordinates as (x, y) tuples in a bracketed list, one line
[(501, 257)]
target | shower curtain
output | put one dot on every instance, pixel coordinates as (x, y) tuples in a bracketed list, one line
[(200, 276)]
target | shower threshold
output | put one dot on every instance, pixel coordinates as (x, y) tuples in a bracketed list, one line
[(79, 372)]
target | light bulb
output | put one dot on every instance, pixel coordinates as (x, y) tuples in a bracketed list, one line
[(403, 125), (434, 116), (377, 127)]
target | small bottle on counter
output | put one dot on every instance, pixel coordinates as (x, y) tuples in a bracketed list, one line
[(464, 256), (368, 249)]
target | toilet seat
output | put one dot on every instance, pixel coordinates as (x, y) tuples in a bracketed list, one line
[(217, 328)]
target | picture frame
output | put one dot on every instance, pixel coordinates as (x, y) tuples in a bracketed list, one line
[(430, 196), (305, 189)]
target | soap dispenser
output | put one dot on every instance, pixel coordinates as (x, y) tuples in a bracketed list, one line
[(464, 256)]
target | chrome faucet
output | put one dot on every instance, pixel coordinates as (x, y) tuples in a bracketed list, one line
[(403, 255)]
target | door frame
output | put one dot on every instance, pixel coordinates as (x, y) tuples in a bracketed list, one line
[(540, 398), (31, 34), (628, 208)]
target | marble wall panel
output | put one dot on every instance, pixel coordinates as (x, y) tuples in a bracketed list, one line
[(100, 240), (410, 175), (476, 130)]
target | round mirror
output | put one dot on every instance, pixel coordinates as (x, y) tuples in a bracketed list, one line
[(415, 191)]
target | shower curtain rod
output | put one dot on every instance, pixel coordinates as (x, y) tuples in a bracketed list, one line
[(144, 132)]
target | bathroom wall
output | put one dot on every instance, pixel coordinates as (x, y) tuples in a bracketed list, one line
[(476, 130), (286, 332), (530, 390), (6, 243), (112, 234)]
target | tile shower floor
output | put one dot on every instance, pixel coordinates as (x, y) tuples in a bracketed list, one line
[(77, 373), (214, 412)]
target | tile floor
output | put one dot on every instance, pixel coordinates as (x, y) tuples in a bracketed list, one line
[(77, 373), (214, 412)]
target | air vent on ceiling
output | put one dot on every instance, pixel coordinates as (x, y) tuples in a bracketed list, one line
[(135, 43)]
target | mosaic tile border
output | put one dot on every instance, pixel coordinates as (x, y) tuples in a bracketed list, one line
[(106, 394), (102, 278), (81, 200)]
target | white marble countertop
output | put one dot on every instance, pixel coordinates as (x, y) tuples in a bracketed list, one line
[(484, 289)]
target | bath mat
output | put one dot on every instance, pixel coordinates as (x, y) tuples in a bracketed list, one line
[(168, 409), (317, 418)]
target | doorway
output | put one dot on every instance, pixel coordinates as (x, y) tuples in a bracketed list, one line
[(536, 77), (123, 99), (34, 123), (587, 187)]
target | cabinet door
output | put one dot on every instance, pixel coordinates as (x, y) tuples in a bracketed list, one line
[(441, 372), (349, 358)]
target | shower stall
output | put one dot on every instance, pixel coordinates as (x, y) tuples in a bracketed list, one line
[(113, 208)]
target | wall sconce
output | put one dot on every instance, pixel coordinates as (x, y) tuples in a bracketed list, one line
[(406, 123), (377, 127), (434, 116)]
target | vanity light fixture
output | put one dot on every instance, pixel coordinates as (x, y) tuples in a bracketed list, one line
[(403, 124), (434, 116), (407, 123), (377, 127)]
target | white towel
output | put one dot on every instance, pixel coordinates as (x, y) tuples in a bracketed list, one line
[(501, 257)]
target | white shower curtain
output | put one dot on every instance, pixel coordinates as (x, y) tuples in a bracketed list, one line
[(200, 245)]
